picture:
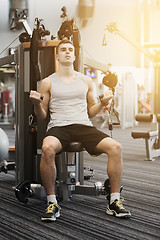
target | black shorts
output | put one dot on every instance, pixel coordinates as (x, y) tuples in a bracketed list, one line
[(89, 136)]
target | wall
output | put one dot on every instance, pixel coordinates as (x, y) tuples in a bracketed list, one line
[(118, 52), (125, 13), (49, 10)]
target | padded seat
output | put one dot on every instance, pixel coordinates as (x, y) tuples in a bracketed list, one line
[(144, 134), (73, 147), (144, 117)]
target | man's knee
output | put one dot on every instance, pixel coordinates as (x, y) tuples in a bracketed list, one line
[(115, 149), (48, 150), (51, 146), (118, 147)]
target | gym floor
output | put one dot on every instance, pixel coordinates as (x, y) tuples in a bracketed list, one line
[(84, 216)]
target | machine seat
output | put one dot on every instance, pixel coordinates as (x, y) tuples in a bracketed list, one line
[(144, 134), (74, 147), (141, 117)]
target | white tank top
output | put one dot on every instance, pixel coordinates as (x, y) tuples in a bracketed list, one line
[(68, 103)]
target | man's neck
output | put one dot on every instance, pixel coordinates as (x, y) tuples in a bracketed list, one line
[(66, 71)]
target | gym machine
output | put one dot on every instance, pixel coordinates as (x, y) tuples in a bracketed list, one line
[(35, 60), (30, 131), (152, 138), (29, 134)]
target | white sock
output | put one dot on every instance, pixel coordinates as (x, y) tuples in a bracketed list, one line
[(51, 198), (114, 196)]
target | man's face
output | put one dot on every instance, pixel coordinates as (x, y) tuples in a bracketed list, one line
[(65, 54)]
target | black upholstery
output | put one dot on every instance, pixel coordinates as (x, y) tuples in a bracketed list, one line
[(73, 147)]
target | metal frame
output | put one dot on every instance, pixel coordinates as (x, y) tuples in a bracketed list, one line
[(151, 153), (150, 142), (26, 154)]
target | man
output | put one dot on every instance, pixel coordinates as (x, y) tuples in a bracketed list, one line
[(67, 95)]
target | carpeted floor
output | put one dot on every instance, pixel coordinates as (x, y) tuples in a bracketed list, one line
[(84, 217)]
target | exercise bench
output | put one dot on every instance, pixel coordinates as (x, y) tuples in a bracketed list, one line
[(151, 137)]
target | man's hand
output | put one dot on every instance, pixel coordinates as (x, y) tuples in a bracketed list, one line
[(104, 98), (35, 97)]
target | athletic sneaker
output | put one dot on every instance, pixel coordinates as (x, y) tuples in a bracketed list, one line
[(52, 212), (117, 209)]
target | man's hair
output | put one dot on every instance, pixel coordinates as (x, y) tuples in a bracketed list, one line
[(63, 42)]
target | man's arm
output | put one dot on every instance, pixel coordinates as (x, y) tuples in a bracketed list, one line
[(41, 105), (94, 109)]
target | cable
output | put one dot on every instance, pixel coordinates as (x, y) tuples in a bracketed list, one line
[(92, 57), (9, 45)]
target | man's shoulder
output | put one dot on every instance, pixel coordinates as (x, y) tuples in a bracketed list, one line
[(82, 76), (85, 77), (45, 83), (45, 80), (51, 76), (48, 79)]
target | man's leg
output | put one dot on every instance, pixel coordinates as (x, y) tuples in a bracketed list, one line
[(114, 170), (51, 145)]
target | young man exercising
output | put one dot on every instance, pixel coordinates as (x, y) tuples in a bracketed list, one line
[(67, 95)]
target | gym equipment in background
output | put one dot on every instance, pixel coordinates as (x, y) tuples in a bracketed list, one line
[(152, 148), (4, 145), (151, 137), (6, 153)]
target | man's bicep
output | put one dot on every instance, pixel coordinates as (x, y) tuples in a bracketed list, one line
[(44, 90), (90, 99), (44, 86)]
